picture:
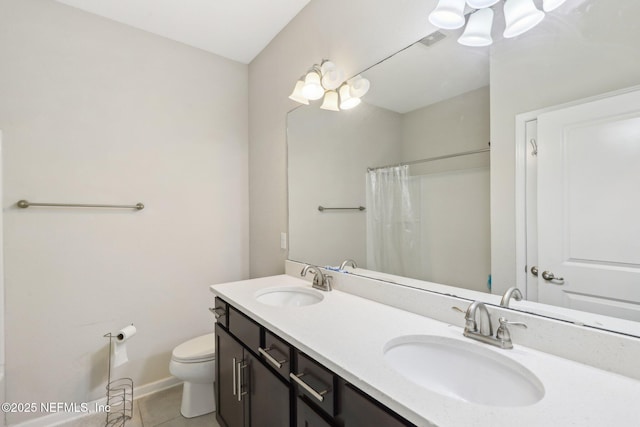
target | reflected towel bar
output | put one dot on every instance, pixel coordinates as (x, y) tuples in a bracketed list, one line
[(25, 204), (359, 208)]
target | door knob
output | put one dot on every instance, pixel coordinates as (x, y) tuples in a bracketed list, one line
[(534, 270), (548, 276)]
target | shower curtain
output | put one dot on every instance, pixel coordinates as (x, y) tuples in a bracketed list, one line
[(393, 221)]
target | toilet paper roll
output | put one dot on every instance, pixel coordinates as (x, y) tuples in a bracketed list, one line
[(119, 356), (126, 333)]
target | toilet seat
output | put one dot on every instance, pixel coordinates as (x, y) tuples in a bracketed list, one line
[(199, 349)]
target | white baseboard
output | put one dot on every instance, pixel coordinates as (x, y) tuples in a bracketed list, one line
[(61, 418)]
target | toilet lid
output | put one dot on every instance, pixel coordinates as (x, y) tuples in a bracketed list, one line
[(196, 349)]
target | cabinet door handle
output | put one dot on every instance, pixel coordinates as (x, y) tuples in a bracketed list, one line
[(217, 311), (275, 362), (317, 394), (235, 380), (240, 366)]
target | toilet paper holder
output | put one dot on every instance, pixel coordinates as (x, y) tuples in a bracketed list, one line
[(119, 392)]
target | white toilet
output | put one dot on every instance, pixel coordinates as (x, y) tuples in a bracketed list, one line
[(194, 362)]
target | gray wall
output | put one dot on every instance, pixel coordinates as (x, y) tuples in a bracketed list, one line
[(95, 111)]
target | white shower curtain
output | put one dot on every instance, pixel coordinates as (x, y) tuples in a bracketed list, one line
[(393, 221)]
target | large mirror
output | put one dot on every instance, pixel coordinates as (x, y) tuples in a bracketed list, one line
[(429, 109)]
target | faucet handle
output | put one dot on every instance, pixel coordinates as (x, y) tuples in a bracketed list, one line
[(469, 323), (504, 322), (328, 282), (503, 335)]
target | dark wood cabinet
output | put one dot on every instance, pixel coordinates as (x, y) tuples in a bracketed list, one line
[(248, 394), (230, 403), (306, 416), (269, 397), (359, 410), (261, 381)]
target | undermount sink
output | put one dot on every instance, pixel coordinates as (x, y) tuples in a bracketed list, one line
[(462, 370), (290, 296)]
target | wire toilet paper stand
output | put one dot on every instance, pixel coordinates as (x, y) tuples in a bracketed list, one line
[(119, 394)]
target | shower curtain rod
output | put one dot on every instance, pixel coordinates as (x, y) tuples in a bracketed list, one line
[(431, 159)]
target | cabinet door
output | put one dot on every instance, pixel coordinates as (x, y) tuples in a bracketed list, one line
[(229, 358), (307, 417), (268, 395)]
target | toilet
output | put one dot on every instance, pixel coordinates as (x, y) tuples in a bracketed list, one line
[(194, 362)]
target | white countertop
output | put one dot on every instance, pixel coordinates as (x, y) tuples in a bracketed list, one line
[(347, 334)]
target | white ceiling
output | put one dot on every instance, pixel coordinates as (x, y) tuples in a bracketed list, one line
[(235, 29)]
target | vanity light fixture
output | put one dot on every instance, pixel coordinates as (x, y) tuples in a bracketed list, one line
[(448, 14), (520, 16), (478, 29), (326, 80)]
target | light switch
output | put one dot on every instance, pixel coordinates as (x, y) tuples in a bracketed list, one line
[(283, 240)]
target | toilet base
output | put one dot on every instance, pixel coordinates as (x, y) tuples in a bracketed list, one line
[(197, 399)]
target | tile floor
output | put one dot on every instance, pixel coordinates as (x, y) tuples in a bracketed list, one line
[(161, 409)]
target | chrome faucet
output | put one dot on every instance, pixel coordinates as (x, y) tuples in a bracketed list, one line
[(512, 292), (320, 280), (481, 329), (348, 262), (483, 326)]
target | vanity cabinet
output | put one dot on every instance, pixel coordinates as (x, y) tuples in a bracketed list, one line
[(324, 400), (248, 393), (262, 381)]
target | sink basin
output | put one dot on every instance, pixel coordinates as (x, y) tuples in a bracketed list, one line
[(462, 370), (290, 296)]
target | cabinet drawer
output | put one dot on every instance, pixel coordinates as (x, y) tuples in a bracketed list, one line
[(220, 310), (316, 382), (277, 354), (359, 410), (245, 329)]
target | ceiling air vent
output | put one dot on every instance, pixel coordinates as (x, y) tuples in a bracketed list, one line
[(432, 38)]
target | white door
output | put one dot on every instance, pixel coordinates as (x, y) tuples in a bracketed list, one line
[(588, 167)]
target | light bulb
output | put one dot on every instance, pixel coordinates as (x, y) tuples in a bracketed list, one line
[(478, 30), (312, 88), (448, 14), (297, 95), (520, 16), (358, 86), (481, 4), (346, 100), (330, 101), (332, 77)]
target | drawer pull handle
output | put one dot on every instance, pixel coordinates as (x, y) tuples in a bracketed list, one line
[(270, 358), (218, 311), (317, 394), (240, 365)]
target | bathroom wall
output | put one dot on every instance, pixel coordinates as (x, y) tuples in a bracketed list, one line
[(353, 34), (348, 141), (94, 111)]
